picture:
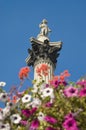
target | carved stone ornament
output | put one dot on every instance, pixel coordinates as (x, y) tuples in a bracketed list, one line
[(42, 47)]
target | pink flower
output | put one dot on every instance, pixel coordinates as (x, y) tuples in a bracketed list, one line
[(70, 123), (71, 92), (34, 124), (82, 83), (24, 122), (63, 83), (50, 119), (55, 83), (69, 116), (28, 113), (33, 110), (82, 92)]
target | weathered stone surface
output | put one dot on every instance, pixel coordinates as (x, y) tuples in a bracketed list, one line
[(45, 50)]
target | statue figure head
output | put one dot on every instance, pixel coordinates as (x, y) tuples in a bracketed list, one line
[(44, 21)]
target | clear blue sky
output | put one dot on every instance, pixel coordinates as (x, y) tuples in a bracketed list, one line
[(19, 20)]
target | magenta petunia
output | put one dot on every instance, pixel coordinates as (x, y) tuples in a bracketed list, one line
[(55, 83), (34, 124), (33, 110), (70, 115), (50, 119), (82, 92), (63, 83), (70, 123), (70, 92), (26, 112), (81, 83)]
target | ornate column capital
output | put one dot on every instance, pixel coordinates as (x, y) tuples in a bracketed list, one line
[(43, 50)]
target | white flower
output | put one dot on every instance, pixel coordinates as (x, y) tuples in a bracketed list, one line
[(26, 98), (6, 112), (41, 116), (36, 102), (10, 105), (2, 84), (48, 92), (4, 126), (1, 115), (3, 97), (35, 89), (15, 118)]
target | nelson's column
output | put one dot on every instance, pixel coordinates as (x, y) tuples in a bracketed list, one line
[(43, 52)]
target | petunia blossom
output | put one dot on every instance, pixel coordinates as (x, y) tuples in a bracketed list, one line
[(50, 119), (70, 124), (70, 115), (82, 83), (70, 91), (82, 92), (48, 92), (3, 97), (15, 118), (6, 111), (55, 83), (34, 124), (33, 110), (26, 112), (5, 126), (41, 116), (10, 105), (26, 98)]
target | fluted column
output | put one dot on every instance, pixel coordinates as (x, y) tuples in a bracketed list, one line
[(51, 69)]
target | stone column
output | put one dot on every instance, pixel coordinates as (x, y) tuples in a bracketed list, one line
[(43, 52), (51, 69)]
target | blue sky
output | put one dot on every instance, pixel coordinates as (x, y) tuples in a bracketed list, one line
[(19, 20)]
